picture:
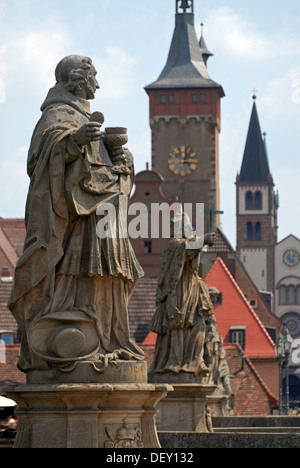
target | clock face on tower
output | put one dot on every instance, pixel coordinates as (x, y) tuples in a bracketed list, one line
[(182, 161), (291, 258)]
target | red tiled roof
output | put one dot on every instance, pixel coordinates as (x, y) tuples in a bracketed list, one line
[(142, 306), (221, 243), (251, 394), (236, 311), (14, 231)]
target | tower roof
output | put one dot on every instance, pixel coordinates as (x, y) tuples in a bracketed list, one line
[(203, 48), (185, 67), (255, 166)]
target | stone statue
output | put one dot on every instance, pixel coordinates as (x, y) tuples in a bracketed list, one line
[(72, 287), (182, 304), (215, 359)]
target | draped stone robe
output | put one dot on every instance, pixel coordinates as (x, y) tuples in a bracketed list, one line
[(182, 303), (65, 267)]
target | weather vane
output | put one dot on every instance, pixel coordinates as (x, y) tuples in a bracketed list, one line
[(254, 92)]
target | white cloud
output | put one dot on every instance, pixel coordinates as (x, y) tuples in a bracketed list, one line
[(116, 74), (34, 52), (283, 89), (236, 37)]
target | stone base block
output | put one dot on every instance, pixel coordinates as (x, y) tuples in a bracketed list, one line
[(87, 415), (184, 409)]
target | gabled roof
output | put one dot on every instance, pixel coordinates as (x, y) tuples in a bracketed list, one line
[(291, 237), (222, 244), (255, 165), (185, 67), (236, 311)]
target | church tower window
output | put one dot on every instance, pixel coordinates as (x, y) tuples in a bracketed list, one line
[(258, 201), (249, 231), (257, 231), (249, 201)]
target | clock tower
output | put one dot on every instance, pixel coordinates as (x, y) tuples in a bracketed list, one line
[(185, 118)]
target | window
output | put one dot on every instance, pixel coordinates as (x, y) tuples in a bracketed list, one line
[(148, 247), (249, 231), (249, 201), (171, 99), (291, 295), (258, 201), (237, 335), (253, 303), (163, 99), (194, 98), (202, 98), (7, 337), (257, 231), (282, 295), (298, 295)]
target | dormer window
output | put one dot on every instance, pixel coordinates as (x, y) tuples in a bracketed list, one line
[(237, 334)]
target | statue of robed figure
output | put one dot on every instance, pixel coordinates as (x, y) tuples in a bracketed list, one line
[(182, 306), (72, 287)]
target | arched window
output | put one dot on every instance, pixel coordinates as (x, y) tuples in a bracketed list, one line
[(258, 201), (249, 201), (298, 295), (291, 294), (249, 231), (282, 295), (257, 231)]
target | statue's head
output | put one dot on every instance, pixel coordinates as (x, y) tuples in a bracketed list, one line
[(78, 76), (213, 294), (181, 226)]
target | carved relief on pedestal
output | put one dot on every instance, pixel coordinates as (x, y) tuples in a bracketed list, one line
[(127, 436)]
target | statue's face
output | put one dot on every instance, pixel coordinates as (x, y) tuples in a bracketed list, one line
[(92, 85)]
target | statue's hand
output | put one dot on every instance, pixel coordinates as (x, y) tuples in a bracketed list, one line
[(87, 133), (209, 239)]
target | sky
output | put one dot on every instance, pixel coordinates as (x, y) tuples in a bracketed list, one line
[(256, 45)]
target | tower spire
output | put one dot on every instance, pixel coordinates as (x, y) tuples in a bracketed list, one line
[(255, 165)]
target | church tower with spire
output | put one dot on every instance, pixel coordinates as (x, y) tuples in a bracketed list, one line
[(185, 118), (257, 206)]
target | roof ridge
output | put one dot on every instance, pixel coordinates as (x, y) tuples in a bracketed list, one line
[(8, 249), (257, 375)]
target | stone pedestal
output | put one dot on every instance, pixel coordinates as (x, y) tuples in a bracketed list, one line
[(219, 404), (88, 415), (184, 409)]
